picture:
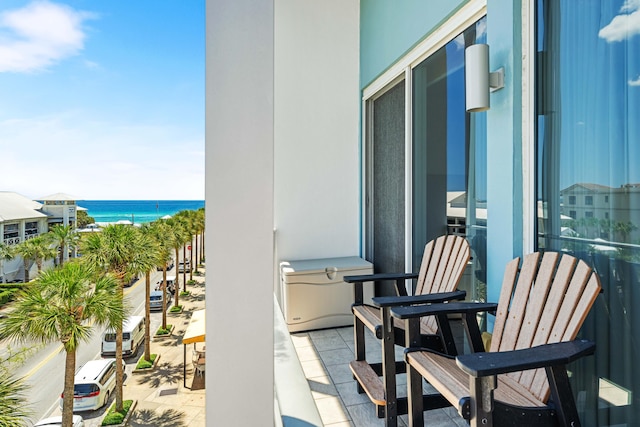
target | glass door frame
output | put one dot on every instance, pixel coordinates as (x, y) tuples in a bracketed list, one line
[(466, 16)]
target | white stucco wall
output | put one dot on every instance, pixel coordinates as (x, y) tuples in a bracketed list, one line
[(316, 153), (239, 214)]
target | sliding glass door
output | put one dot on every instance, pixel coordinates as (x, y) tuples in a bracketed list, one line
[(446, 164)]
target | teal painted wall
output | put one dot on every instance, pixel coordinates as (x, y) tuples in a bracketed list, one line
[(504, 148), (388, 29)]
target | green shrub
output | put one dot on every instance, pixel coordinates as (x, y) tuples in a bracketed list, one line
[(145, 364), (113, 417), (191, 282), (175, 309), (164, 331), (185, 293)]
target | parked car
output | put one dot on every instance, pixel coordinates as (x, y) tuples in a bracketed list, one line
[(132, 337), (184, 266), (131, 282), (93, 384), (155, 300), (57, 422), (170, 265)]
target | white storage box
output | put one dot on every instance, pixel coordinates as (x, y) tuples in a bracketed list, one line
[(314, 295)]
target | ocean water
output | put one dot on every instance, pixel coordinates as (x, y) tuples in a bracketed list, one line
[(137, 211)]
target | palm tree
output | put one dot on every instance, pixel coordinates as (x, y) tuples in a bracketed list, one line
[(6, 254), (13, 402), (190, 220), (65, 239), (42, 249), (178, 238), (149, 231), (28, 251), (200, 221), (117, 249), (61, 305)]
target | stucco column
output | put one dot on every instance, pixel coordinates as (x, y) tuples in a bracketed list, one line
[(239, 212)]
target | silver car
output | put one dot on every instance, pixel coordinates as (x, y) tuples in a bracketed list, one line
[(155, 300)]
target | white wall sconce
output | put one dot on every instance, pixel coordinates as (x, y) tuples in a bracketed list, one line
[(478, 80)]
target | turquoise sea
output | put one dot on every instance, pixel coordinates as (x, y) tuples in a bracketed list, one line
[(138, 211)]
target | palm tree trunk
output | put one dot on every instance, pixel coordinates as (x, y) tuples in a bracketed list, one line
[(25, 262), (202, 246), (67, 397), (196, 249), (191, 258), (62, 248), (119, 370), (176, 300), (177, 274), (147, 317), (184, 270), (164, 297)]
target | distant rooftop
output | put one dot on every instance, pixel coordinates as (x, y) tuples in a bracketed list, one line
[(59, 197), (14, 206)]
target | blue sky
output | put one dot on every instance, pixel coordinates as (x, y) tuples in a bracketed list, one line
[(102, 99)]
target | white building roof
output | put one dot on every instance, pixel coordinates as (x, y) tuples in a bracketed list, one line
[(14, 206), (58, 197)]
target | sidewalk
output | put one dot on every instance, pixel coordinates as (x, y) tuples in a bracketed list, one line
[(162, 399)]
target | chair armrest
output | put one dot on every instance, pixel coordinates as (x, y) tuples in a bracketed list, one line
[(494, 363), (379, 276), (418, 299), (409, 312)]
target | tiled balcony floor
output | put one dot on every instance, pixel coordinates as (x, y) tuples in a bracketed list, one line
[(325, 356)]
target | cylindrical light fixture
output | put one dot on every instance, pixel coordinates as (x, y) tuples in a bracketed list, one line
[(476, 76)]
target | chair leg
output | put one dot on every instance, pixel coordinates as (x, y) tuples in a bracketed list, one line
[(562, 396), (360, 350), (389, 368), (481, 391), (416, 405)]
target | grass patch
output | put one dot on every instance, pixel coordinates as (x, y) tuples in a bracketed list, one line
[(191, 282), (176, 309), (115, 418), (145, 364), (165, 331), (185, 293)]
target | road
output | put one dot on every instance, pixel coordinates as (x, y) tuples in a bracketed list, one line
[(44, 368)]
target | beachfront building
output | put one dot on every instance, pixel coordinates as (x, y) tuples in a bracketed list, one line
[(61, 209), (340, 128), (20, 219)]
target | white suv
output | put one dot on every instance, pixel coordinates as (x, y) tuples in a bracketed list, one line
[(93, 384)]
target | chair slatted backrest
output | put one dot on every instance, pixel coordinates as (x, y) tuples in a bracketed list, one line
[(443, 264), (545, 302)]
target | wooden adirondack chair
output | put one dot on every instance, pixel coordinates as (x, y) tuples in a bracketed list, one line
[(442, 266), (523, 379)]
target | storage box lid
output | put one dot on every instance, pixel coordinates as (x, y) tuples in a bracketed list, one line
[(310, 266)]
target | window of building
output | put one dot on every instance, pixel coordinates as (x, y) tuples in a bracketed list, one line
[(30, 228), (588, 137), (573, 214), (11, 231), (572, 200)]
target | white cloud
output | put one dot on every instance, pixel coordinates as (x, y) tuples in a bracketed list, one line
[(625, 25), (100, 160), (39, 35), (635, 82)]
